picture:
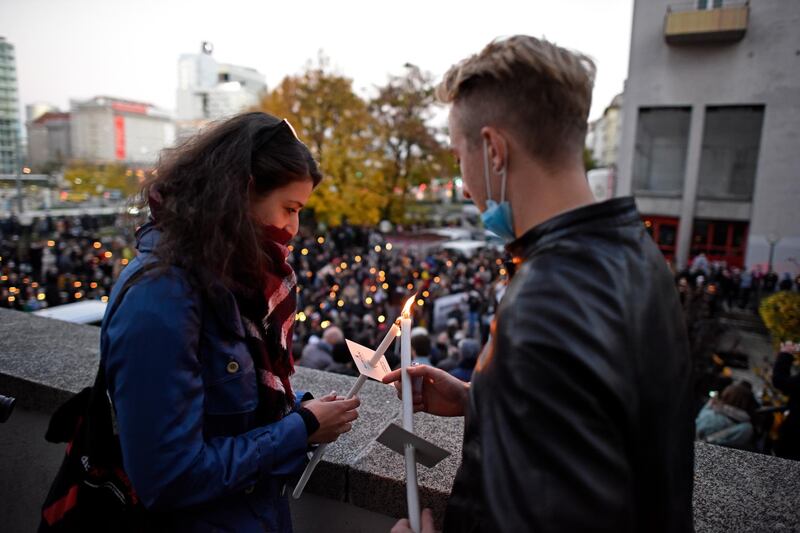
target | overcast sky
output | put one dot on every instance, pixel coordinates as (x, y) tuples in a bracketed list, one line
[(129, 49)]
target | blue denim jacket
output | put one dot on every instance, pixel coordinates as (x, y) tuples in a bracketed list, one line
[(183, 386)]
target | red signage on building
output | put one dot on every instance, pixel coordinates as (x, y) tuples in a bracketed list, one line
[(119, 137), (129, 107)]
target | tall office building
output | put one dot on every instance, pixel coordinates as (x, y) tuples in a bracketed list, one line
[(709, 143), (9, 110)]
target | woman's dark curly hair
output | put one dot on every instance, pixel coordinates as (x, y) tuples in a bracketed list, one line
[(201, 191)]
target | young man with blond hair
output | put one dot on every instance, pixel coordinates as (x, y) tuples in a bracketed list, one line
[(579, 414)]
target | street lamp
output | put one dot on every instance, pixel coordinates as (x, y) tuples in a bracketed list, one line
[(772, 239)]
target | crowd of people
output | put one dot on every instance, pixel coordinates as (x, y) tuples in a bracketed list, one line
[(61, 260), (727, 288), (729, 411), (352, 282), (735, 418)]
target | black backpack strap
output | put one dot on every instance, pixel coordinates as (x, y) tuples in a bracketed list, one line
[(102, 441)]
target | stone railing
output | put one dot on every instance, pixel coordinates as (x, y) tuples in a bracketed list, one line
[(43, 362)]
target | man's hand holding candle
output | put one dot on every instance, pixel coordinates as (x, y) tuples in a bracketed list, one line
[(442, 394)]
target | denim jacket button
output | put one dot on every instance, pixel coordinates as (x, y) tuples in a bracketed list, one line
[(250, 489), (233, 367)]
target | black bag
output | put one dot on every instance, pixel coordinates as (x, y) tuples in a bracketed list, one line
[(91, 491)]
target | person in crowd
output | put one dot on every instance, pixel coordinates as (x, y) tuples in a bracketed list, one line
[(475, 304), (320, 355), (579, 413), (746, 286), (450, 358), (700, 264), (468, 350), (197, 349), (421, 346), (342, 361), (726, 420), (788, 382), (769, 282)]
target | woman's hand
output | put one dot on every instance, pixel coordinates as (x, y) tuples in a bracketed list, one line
[(335, 416), (403, 526), (442, 394)]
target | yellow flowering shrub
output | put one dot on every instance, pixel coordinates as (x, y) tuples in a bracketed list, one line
[(781, 314)]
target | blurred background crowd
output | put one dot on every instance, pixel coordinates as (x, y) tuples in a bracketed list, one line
[(353, 281)]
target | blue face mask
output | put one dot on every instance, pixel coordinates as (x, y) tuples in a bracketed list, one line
[(497, 217)]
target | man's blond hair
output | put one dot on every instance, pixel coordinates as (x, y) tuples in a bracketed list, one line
[(535, 89)]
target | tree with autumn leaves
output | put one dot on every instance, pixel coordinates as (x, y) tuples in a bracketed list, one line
[(413, 153), (92, 178), (370, 152)]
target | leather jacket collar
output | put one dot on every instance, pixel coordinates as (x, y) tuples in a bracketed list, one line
[(617, 211)]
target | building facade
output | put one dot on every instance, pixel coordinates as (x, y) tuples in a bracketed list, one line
[(108, 130), (710, 145), (603, 135), (10, 140), (49, 140), (208, 90)]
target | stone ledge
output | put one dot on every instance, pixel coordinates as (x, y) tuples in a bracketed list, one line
[(44, 361)]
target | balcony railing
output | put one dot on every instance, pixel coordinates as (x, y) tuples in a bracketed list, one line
[(693, 24)]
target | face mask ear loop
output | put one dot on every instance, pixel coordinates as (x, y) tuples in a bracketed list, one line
[(504, 172), (486, 170), (503, 185)]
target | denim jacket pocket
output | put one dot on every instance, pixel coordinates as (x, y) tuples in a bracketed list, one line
[(232, 395), (229, 376)]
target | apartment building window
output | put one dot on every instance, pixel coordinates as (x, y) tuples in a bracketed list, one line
[(728, 162), (662, 137), (709, 4)]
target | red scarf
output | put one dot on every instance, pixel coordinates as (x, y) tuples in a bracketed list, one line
[(270, 338), (268, 331)]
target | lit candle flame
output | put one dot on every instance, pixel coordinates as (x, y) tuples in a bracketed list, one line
[(407, 307)]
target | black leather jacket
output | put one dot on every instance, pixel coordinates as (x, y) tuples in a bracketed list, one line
[(580, 415)]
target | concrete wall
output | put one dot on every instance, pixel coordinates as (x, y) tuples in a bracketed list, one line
[(359, 486), (28, 464), (763, 68)]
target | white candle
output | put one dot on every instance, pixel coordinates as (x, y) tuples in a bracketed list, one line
[(384, 345), (405, 362), (320, 451), (412, 491)]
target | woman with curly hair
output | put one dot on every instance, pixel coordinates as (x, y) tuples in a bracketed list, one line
[(197, 351)]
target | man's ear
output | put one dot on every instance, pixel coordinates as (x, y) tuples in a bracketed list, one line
[(498, 147)]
